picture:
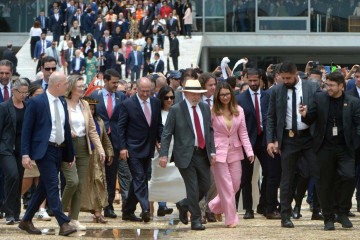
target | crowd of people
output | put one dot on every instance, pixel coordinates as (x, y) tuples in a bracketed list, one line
[(200, 131)]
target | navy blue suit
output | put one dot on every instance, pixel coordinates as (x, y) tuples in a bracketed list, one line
[(258, 143), (99, 32), (38, 48), (139, 139), (112, 62), (112, 170), (56, 27), (73, 64), (160, 67), (135, 69), (35, 143)]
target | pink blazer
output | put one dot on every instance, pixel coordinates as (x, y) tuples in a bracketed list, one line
[(228, 144)]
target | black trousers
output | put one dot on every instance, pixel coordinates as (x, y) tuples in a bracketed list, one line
[(273, 183), (357, 174), (291, 150), (138, 191), (176, 63), (197, 182), (111, 173), (247, 174), (334, 178)]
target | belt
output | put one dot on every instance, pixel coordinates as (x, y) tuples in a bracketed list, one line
[(196, 148), (57, 145), (298, 133)]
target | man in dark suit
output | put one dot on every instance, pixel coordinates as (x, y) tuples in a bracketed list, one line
[(69, 15), (79, 17), (89, 19), (9, 54), (337, 135), (172, 25), (109, 111), (69, 56), (106, 41), (194, 151), (355, 91), (101, 56), (174, 50), (286, 133), (99, 29), (78, 63), (136, 61), (41, 46), (48, 66), (116, 59), (252, 102), (46, 138), (44, 21), (140, 129), (145, 23), (56, 23), (159, 64)]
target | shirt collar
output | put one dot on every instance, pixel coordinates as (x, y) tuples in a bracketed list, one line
[(8, 85), (252, 92), (299, 83), (211, 98), (141, 101), (50, 96), (106, 92)]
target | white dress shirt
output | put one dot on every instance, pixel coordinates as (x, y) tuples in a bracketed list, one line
[(8, 87), (198, 110), (77, 121), (358, 90), (60, 106), (299, 94), (204, 99)]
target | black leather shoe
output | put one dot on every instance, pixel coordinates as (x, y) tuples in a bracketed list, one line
[(296, 212), (197, 226), (10, 220), (317, 216), (273, 215), (109, 213), (210, 217), (287, 223), (28, 226), (345, 221), (130, 217), (1, 215), (145, 216), (162, 211), (329, 225), (351, 214), (182, 213), (249, 214)]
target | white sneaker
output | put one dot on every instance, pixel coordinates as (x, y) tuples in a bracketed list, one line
[(76, 224), (42, 215)]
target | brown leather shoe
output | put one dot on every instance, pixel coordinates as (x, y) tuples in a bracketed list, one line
[(28, 226), (210, 217), (66, 229), (203, 220)]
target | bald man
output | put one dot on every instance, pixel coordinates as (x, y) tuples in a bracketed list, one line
[(46, 138)]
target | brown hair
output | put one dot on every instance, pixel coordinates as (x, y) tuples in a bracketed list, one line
[(37, 24), (218, 106)]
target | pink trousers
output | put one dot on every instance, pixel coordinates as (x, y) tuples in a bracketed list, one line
[(227, 179)]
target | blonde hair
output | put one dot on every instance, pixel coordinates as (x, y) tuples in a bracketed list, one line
[(72, 79)]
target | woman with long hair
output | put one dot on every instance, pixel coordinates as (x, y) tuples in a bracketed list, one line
[(188, 20), (230, 135), (35, 33)]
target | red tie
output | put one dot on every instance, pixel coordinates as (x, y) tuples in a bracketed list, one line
[(6, 93), (257, 112), (109, 108), (200, 137)]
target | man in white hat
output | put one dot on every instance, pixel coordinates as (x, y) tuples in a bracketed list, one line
[(194, 151)]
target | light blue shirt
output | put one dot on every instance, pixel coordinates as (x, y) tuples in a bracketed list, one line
[(105, 96)]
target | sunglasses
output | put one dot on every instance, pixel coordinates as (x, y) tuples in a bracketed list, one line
[(169, 97), (50, 68)]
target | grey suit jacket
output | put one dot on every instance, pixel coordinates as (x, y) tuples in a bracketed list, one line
[(178, 97), (277, 109), (179, 125), (7, 127)]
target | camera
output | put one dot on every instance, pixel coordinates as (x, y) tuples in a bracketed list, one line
[(314, 63)]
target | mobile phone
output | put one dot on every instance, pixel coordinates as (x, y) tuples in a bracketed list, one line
[(301, 100)]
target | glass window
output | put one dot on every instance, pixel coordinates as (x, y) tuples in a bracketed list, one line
[(283, 8)]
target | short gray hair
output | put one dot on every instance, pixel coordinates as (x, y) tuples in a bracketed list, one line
[(19, 82), (7, 63)]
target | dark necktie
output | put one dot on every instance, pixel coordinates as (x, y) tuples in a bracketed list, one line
[(46, 86), (257, 113), (6, 93), (200, 137), (294, 114), (208, 100)]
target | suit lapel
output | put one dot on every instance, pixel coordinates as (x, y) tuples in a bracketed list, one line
[(186, 114), (102, 103), (346, 113), (248, 96), (283, 98), (305, 93), (46, 102), (139, 108), (153, 110)]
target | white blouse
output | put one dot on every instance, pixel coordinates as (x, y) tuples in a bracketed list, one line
[(35, 32), (77, 121)]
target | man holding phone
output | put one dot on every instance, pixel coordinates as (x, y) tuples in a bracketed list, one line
[(286, 134)]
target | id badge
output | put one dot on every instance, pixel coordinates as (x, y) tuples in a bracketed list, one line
[(335, 131)]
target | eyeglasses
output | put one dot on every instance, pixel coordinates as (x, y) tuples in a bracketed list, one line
[(169, 97), (50, 68), (224, 95), (81, 86), (23, 93)]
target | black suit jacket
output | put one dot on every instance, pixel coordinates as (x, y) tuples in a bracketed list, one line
[(113, 120), (55, 26), (276, 116), (353, 92), (174, 48), (160, 66), (134, 131), (145, 26), (351, 120), (245, 101), (47, 22), (67, 54), (10, 55), (7, 127), (174, 27)]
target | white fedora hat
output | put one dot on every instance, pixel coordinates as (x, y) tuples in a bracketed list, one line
[(193, 86)]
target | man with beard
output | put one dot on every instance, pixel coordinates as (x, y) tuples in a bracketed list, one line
[(286, 134), (337, 117)]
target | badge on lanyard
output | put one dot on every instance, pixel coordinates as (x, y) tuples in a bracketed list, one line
[(291, 133)]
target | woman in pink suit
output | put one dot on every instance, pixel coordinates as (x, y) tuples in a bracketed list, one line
[(228, 121)]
